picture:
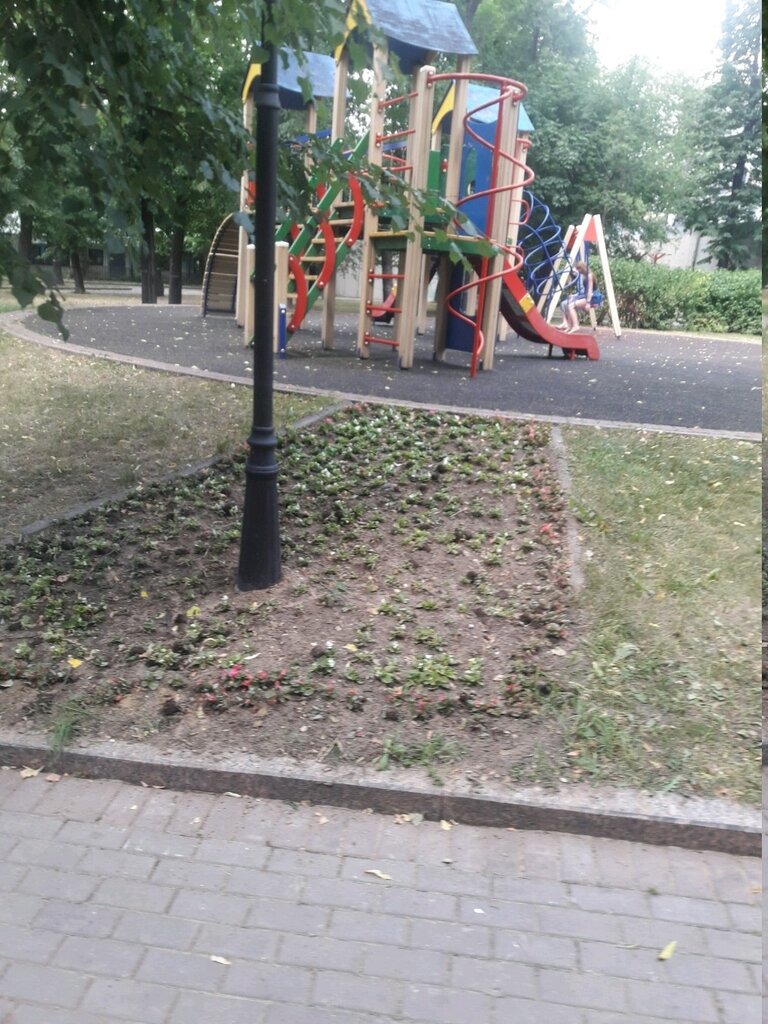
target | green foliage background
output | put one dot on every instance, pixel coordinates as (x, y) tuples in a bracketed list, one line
[(664, 298), (114, 109)]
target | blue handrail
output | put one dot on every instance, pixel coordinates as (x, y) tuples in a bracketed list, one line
[(543, 247)]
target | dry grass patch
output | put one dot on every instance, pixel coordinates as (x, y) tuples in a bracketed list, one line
[(75, 429)]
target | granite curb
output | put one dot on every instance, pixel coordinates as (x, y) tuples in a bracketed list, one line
[(602, 813)]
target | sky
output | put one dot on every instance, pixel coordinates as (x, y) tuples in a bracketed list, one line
[(675, 35)]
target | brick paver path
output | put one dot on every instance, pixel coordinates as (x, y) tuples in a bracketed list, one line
[(120, 903)]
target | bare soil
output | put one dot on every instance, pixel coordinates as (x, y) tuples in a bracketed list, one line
[(424, 614)]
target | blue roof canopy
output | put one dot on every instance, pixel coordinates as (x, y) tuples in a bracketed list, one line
[(416, 28), (479, 94), (318, 68)]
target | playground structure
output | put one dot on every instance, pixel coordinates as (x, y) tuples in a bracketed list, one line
[(463, 152)]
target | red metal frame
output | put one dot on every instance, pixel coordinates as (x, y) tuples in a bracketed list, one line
[(516, 91), (330, 254), (358, 212), (300, 281)]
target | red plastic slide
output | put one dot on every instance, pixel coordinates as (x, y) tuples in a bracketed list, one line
[(520, 312)]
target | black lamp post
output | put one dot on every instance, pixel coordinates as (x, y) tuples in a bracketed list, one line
[(259, 565)]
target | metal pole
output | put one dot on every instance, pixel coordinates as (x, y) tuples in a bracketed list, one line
[(259, 565)]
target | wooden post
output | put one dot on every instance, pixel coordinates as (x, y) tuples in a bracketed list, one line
[(515, 208), (578, 241), (509, 111), (281, 289), (556, 263), (249, 323), (421, 315), (371, 223), (243, 291), (338, 122), (452, 185), (598, 222), (310, 125), (417, 155)]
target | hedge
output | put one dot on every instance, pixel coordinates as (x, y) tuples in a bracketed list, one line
[(665, 299)]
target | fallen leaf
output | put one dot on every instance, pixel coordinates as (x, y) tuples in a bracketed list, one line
[(193, 612), (53, 777), (29, 773), (409, 819), (238, 795), (321, 819), (200, 713), (350, 647), (446, 826), (144, 594), (6, 684), (74, 662), (668, 950), (378, 874), (220, 960)]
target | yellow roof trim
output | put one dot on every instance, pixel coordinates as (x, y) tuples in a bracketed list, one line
[(445, 108), (357, 9), (254, 71)]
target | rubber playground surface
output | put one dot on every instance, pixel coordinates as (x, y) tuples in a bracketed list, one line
[(642, 378)]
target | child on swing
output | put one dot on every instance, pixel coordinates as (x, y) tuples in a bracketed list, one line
[(586, 283)]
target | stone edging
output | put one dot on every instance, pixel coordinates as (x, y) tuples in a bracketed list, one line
[(278, 782)]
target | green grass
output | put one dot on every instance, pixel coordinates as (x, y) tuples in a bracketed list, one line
[(75, 429), (665, 691), (667, 682)]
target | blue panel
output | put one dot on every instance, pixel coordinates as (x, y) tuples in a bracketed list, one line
[(459, 335), (476, 164)]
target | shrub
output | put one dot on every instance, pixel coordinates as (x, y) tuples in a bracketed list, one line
[(667, 299)]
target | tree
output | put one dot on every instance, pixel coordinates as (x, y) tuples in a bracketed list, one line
[(725, 140), (130, 85)]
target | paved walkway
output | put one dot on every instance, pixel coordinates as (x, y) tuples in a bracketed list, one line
[(680, 381), (129, 904)]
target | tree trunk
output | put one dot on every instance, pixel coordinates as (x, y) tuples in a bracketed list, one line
[(470, 12), (175, 267), (25, 236), (78, 277), (148, 263)]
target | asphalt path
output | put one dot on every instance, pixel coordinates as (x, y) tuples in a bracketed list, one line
[(680, 381)]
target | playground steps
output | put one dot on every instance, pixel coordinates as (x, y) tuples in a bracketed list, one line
[(220, 277), (336, 219)]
